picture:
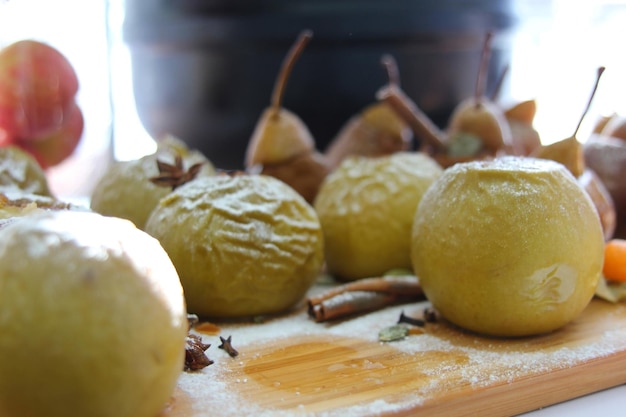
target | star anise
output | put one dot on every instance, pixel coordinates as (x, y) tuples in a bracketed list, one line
[(174, 175), (195, 358)]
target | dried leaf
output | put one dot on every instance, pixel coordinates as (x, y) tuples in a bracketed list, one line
[(612, 292), (393, 333)]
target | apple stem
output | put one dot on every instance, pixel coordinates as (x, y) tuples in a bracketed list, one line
[(285, 70), (391, 66), (483, 69), (593, 93)]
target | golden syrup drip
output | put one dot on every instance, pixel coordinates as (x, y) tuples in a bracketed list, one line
[(320, 375), (207, 328)]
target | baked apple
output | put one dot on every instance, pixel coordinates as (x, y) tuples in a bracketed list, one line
[(366, 207), (244, 245), (509, 247), (93, 311)]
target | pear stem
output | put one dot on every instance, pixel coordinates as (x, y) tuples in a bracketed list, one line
[(593, 93), (391, 66), (287, 65), (483, 69), (408, 111)]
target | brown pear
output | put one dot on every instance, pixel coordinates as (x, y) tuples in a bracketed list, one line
[(281, 145), (479, 117), (376, 131)]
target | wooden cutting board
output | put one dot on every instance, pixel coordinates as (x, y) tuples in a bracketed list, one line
[(292, 365)]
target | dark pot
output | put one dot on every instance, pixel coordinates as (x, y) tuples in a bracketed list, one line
[(204, 70)]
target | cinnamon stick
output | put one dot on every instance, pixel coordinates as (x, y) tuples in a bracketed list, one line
[(364, 295), (392, 284), (350, 303)]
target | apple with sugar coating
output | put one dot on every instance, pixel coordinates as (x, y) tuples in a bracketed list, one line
[(509, 247)]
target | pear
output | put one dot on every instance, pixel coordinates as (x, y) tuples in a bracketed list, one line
[(602, 122), (482, 119), (570, 153), (431, 136), (602, 199), (281, 145), (523, 112), (376, 131), (606, 156), (520, 118), (615, 127), (479, 117)]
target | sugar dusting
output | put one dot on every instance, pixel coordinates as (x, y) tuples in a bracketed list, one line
[(468, 361)]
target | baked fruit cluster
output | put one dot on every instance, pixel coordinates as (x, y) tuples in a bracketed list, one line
[(505, 235)]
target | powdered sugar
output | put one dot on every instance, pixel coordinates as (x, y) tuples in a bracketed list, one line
[(291, 365)]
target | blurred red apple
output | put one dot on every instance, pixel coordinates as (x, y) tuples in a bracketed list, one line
[(5, 138), (37, 88), (53, 148)]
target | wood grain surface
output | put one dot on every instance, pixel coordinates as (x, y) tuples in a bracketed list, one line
[(290, 365)]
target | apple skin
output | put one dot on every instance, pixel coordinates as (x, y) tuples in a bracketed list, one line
[(53, 148), (37, 87)]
